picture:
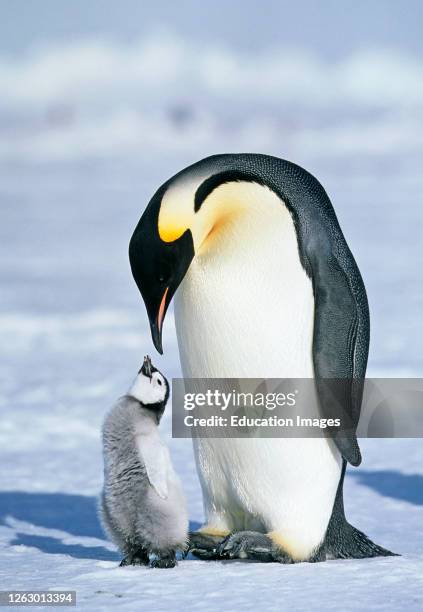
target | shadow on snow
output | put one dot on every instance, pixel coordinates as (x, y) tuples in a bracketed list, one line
[(73, 514), (405, 487)]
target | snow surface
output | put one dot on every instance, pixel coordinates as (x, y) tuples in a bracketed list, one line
[(73, 328)]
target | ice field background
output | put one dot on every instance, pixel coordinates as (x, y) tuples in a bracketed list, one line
[(90, 126)]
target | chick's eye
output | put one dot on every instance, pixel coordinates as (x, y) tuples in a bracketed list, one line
[(159, 382)]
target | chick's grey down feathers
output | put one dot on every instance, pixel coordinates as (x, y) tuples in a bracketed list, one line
[(142, 506)]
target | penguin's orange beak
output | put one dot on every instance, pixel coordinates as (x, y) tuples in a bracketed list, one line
[(156, 321), (160, 317)]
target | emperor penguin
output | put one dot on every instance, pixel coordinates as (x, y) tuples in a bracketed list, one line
[(143, 508), (265, 286)]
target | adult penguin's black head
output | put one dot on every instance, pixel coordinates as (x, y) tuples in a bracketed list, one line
[(180, 219), (158, 265)]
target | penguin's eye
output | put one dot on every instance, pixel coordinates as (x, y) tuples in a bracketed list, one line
[(164, 273), (159, 382)]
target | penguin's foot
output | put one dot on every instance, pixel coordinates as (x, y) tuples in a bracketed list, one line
[(204, 545), (167, 561), (138, 557), (252, 545)]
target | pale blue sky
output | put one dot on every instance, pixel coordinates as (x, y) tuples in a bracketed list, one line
[(331, 28)]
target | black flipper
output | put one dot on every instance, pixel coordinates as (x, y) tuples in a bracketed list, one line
[(340, 347)]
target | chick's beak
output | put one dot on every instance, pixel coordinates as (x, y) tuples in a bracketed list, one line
[(146, 367)]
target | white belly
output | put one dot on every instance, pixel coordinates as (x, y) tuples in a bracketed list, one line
[(246, 309)]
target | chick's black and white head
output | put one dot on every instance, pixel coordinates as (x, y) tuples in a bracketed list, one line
[(151, 387)]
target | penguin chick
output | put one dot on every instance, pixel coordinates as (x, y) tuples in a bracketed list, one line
[(143, 507)]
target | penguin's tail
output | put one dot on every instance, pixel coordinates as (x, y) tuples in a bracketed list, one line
[(343, 541), (351, 543)]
